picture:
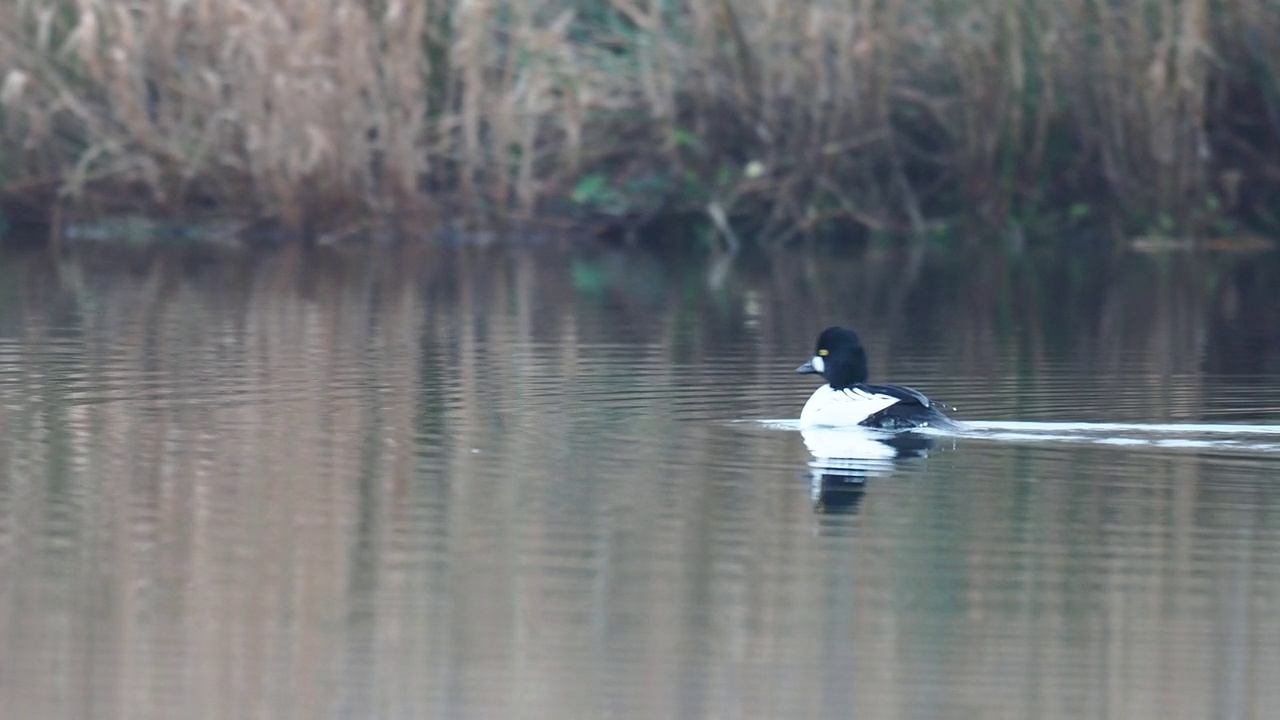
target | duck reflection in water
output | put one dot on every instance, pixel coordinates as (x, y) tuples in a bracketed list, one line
[(844, 459)]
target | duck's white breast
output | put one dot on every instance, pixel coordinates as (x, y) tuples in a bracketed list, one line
[(829, 407)]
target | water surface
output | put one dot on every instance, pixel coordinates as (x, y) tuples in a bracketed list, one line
[(540, 482)]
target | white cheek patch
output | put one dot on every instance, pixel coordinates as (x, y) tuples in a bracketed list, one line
[(818, 364)]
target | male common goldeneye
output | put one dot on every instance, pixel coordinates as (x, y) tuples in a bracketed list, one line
[(847, 399)]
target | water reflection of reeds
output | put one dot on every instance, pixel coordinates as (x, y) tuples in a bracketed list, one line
[(453, 482)]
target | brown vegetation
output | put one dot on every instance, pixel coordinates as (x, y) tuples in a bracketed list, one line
[(778, 113)]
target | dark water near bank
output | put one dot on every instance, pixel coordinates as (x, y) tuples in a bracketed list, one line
[(534, 483)]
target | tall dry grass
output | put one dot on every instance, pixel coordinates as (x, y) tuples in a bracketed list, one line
[(781, 113)]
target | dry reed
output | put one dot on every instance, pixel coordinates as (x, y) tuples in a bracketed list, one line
[(780, 113)]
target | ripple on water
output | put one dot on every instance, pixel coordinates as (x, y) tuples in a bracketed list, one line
[(483, 493), (1190, 436)]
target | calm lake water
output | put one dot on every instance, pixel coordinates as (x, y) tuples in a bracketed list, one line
[(566, 483)]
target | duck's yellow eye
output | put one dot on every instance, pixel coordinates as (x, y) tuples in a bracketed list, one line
[(822, 353)]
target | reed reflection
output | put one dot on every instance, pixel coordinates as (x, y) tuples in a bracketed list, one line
[(502, 482)]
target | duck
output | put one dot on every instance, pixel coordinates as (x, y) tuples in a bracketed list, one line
[(847, 399)]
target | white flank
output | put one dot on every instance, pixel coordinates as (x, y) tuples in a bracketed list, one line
[(828, 407)]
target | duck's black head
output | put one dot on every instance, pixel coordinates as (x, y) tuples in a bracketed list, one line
[(839, 358)]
